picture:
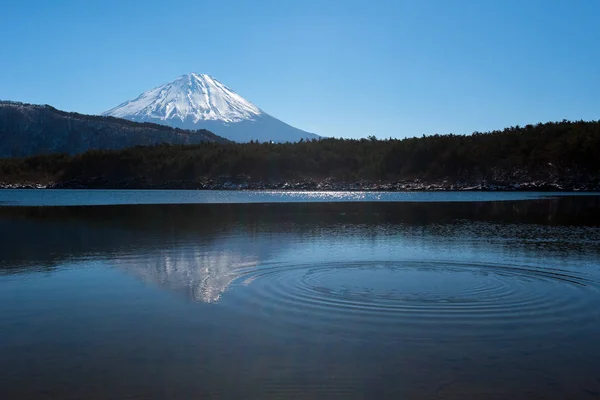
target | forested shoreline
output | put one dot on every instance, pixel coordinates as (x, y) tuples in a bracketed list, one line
[(549, 156)]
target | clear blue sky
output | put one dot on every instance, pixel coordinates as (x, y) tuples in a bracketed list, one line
[(336, 68)]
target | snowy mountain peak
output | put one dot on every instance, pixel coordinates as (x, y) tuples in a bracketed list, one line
[(199, 101), (192, 97)]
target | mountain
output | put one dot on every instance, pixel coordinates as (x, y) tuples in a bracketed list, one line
[(27, 129), (198, 101)]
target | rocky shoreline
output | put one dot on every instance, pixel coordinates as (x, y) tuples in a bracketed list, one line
[(313, 185)]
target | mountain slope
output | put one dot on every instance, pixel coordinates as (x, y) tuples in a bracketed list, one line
[(197, 101), (27, 129)]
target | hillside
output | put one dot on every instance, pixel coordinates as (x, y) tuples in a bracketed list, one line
[(555, 155), (27, 129)]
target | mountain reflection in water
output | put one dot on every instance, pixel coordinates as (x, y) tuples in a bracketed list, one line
[(199, 250), (201, 275), (319, 300)]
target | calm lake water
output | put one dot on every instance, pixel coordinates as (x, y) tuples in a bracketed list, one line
[(439, 295), (43, 197)]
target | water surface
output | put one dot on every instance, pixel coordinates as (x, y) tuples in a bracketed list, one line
[(494, 299), (75, 197)]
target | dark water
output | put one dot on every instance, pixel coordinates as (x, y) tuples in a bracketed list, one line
[(496, 299)]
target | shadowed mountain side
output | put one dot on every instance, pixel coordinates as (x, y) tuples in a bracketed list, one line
[(262, 128), (27, 129)]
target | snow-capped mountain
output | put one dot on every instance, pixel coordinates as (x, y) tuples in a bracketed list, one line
[(198, 101)]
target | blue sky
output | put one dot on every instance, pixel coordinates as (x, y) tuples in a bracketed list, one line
[(337, 68)]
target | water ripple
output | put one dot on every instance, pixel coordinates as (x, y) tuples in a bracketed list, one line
[(419, 294)]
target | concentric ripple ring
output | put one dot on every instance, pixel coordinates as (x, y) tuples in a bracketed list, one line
[(418, 294)]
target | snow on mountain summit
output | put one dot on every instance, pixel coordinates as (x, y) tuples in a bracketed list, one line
[(193, 96), (199, 101)]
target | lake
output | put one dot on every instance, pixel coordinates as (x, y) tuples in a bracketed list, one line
[(188, 294), (49, 197)]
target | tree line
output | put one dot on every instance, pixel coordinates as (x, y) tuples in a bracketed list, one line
[(545, 150)]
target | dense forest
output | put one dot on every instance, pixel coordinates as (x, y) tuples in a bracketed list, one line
[(554, 152)]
